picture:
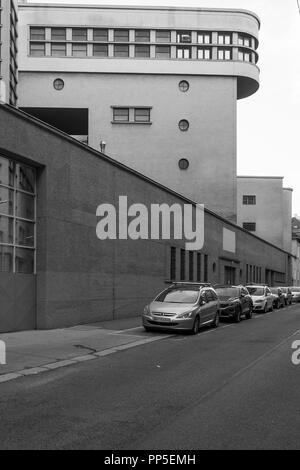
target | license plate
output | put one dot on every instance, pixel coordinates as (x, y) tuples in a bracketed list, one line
[(163, 319)]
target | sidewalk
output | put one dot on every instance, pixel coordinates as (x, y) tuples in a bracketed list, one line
[(32, 352)]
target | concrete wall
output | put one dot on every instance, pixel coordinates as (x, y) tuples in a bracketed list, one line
[(272, 211), (81, 279)]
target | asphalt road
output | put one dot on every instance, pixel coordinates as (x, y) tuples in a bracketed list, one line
[(234, 387)]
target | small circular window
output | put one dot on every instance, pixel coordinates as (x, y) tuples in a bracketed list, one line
[(183, 164), (183, 125), (58, 84), (184, 86)]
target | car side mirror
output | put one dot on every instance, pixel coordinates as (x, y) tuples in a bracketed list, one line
[(202, 302)]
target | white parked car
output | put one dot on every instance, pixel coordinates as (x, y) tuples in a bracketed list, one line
[(262, 298)]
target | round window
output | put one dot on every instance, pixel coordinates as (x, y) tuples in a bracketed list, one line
[(58, 84), (183, 125), (183, 164), (184, 85)]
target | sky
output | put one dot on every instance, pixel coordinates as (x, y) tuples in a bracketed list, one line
[(268, 132)]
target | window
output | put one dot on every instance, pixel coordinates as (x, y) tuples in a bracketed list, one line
[(224, 38), (37, 49), (58, 84), (203, 53), (17, 217), (121, 50), (121, 35), (244, 40), (198, 267), (204, 38), (184, 86), (184, 53), (184, 36), (37, 34), (100, 50), (163, 36), (121, 114), (249, 200), (183, 164), (58, 49), (182, 265), (142, 35), (224, 54), (100, 35), (162, 52), (142, 114), (205, 268), (173, 263), (58, 34), (79, 50), (142, 51), (250, 226), (244, 55), (183, 125), (191, 265), (79, 34)]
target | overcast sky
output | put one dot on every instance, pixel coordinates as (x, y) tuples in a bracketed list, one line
[(268, 121)]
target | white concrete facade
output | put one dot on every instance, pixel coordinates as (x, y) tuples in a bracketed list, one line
[(267, 205), (8, 51), (219, 47)]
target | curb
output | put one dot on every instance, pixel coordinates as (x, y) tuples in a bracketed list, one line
[(75, 360)]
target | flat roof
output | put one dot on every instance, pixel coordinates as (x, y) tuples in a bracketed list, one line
[(140, 7)]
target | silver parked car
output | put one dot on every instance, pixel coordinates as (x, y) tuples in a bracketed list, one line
[(183, 306), (295, 293), (288, 296)]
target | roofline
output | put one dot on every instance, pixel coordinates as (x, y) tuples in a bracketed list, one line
[(288, 189), (262, 177), (98, 154), (140, 7)]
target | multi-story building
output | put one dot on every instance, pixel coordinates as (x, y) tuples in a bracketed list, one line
[(265, 208), (158, 85), (8, 51), (296, 250)]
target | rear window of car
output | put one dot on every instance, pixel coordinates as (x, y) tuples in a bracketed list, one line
[(179, 296), (256, 290), (227, 292)]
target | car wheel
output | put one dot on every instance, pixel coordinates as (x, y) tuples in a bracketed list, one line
[(216, 321), (249, 314), (196, 326), (237, 316)]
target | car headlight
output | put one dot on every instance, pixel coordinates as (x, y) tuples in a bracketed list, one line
[(185, 314), (146, 310)]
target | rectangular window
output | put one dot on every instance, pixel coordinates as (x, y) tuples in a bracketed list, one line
[(244, 40), (142, 51), (37, 49), (198, 267), (121, 114), (121, 35), (163, 36), (184, 36), (204, 38), (184, 53), (191, 266), (203, 54), (100, 35), (58, 34), (249, 200), (162, 52), (244, 55), (58, 50), (250, 226), (182, 265), (173, 264), (100, 50), (205, 268), (37, 34), (79, 34), (224, 54), (142, 35), (224, 38), (121, 50), (142, 114), (79, 50)]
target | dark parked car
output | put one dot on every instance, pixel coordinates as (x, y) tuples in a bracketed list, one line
[(288, 296), (235, 301), (278, 297)]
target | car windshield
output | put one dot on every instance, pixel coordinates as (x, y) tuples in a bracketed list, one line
[(227, 292), (274, 290), (179, 296), (295, 289), (256, 290)]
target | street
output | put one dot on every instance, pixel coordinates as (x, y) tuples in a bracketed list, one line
[(234, 387)]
